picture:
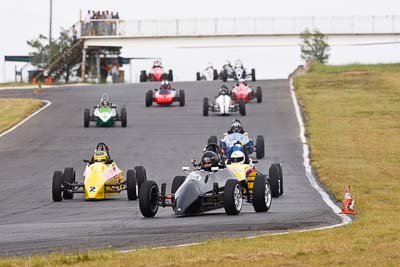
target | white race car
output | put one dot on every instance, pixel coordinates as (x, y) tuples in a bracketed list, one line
[(208, 74), (224, 104)]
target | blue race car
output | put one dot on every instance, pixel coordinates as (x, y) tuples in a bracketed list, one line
[(227, 144)]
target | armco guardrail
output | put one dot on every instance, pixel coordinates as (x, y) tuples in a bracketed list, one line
[(243, 26)]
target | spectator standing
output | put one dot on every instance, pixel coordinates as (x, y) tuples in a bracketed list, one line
[(86, 25), (114, 71), (74, 34)]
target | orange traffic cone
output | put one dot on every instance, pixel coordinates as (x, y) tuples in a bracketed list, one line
[(34, 81), (348, 202)]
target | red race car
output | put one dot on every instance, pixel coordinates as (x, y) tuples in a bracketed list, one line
[(157, 73), (165, 96), (243, 91)]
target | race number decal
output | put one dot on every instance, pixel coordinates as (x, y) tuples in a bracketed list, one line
[(92, 189), (195, 177)]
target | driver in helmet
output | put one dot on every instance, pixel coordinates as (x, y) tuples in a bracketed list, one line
[(227, 65), (223, 90), (210, 66), (209, 159), (165, 84), (236, 127), (105, 101), (239, 64), (100, 154), (237, 157), (157, 64)]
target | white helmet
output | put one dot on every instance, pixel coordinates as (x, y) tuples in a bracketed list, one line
[(237, 157), (241, 80)]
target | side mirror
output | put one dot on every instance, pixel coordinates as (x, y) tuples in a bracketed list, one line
[(225, 134), (254, 161), (86, 160), (185, 169), (214, 169)]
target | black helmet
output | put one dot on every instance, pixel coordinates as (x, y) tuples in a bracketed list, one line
[(208, 160), (236, 126)]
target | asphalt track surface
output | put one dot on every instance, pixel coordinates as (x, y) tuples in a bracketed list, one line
[(163, 139)]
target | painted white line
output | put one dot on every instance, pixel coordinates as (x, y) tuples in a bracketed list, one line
[(306, 156), (310, 176), (47, 104)]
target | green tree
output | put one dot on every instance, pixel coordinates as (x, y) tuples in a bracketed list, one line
[(314, 46)]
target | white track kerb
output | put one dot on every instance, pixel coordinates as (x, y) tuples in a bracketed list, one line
[(47, 104), (310, 176)]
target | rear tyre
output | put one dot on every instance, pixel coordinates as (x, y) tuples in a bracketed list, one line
[(242, 107), (56, 187), (131, 185), (149, 98), (253, 75), (170, 76), (280, 179), (212, 140), (181, 98), (148, 199), (260, 147), (233, 197), (215, 76), (262, 197), (68, 177), (141, 175), (259, 94), (124, 117), (176, 183), (205, 106), (274, 178), (143, 76), (86, 117), (224, 75), (198, 78)]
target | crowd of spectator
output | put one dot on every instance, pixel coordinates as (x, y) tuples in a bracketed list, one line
[(96, 23)]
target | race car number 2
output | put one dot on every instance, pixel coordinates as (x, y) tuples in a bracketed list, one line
[(92, 189), (195, 177)]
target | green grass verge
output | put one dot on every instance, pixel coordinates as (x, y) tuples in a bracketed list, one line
[(353, 125), (14, 110)]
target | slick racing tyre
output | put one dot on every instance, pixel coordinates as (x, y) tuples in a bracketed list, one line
[(274, 178), (253, 75), (149, 98), (131, 185), (233, 197), (242, 107), (280, 179), (205, 106), (198, 78), (170, 76), (260, 147), (68, 177), (181, 98), (224, 75), (56, 187), (124, 117), (141, 175), (259, 94), (215, 75), (86, 117), (148, 199), (262, 197)]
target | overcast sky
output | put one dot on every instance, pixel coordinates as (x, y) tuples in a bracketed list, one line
[(22, 20)]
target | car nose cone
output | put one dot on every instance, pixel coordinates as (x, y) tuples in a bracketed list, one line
[(186, 196)]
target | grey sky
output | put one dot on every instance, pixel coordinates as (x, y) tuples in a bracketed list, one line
[(22, 20)]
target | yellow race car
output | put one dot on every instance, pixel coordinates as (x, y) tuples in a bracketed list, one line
[(245, 169), (101, 179)]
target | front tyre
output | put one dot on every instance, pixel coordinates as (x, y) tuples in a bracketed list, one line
[(181, 98), (233, 197), (242, 107), (149, 98), (259, 94), (176, 183), (260, 147), (274, 178), (253, 75), (262, 198), (56, 187), (148, 199), (198, 78), (212, 140), (131, 185), (205, 106), (86, 117), (124, 117), (170, 76)]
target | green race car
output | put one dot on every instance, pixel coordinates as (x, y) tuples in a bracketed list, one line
[(105, 114)]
